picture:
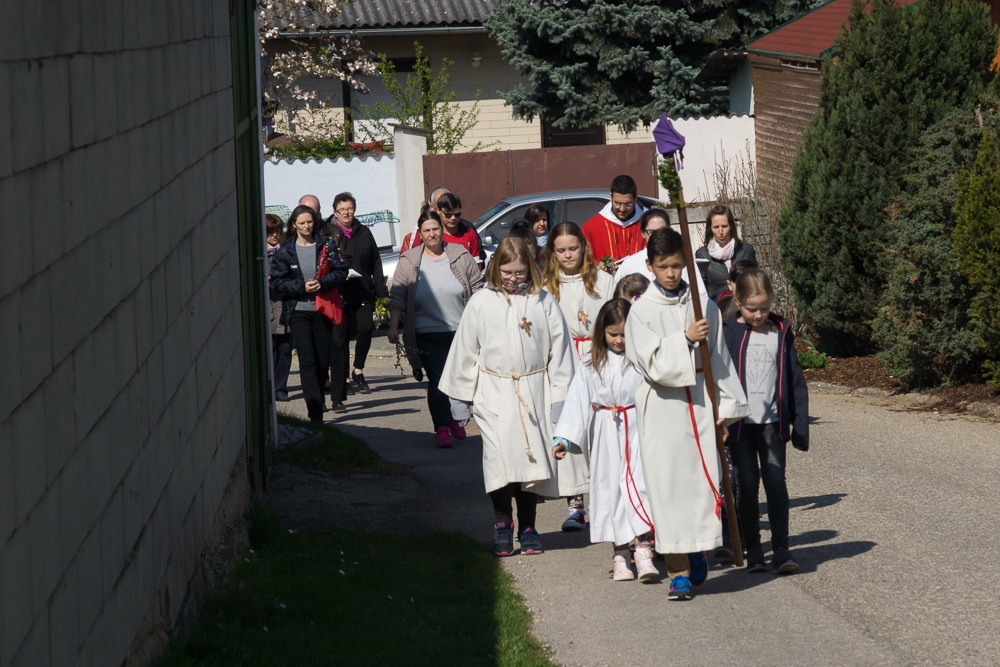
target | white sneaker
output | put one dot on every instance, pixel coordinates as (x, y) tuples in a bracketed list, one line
[(622, 571), (644, 563)]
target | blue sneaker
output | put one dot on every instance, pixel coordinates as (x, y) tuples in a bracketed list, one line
[(699, 567), (530, 543), (503, 538), (680, 588)]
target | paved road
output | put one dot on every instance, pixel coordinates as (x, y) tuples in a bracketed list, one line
[(893, 521)]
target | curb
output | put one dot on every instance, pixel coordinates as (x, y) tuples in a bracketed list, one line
[(978, 408)]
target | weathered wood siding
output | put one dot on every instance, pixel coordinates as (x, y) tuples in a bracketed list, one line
[(786, 96)]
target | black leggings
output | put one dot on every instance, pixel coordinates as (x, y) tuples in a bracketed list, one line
[(311, 336), (358, 319), (527, 502), (760, 453)]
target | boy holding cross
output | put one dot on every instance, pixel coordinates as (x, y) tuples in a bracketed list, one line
[(677, 429)]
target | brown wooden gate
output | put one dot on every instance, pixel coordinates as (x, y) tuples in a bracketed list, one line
[(483, 179)]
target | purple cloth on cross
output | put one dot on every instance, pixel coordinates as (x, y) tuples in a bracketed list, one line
[(669, 141)]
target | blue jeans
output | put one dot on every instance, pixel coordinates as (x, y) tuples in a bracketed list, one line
[(760, 453), (433, 349)]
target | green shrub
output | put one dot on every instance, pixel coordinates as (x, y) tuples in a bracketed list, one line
[(312, 148), (923, 323), (812, 358), (896, 73), (977, 245)]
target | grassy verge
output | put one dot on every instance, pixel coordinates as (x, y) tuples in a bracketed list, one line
[(364, 598), (339, 452)]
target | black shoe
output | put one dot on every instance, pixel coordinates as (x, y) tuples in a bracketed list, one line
[(339, 407), (282, 397), (783, 563), (755, 560), (348, 389), (359, 379)]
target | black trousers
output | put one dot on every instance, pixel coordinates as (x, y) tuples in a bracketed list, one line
[(340, 352), (282, 346), (760, 453), (527, 503), (358, 320), (433, 348), (311, 333)]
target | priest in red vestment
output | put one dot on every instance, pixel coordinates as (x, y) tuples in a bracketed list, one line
[(614, 231)]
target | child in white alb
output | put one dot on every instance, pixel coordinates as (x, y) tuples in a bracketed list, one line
[(600, 407)]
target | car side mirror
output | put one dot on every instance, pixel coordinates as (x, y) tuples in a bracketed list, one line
[(489, 240)]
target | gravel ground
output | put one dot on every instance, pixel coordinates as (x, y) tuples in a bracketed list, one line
[(890, 508)]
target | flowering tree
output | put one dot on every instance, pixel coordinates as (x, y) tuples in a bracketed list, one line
[(295, 44)]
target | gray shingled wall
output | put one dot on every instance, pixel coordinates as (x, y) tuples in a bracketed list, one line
[(122, 421)]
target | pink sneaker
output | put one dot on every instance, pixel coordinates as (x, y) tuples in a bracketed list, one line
[(456, 430), (443, 438)]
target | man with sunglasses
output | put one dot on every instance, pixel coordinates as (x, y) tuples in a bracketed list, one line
[(613, 232), (457, 230)]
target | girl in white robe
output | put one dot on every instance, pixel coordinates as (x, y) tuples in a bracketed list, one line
[(676, 426), (511, 362), (572, 277), (600, 407)]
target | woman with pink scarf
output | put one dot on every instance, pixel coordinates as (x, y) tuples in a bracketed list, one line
[(722, 247)]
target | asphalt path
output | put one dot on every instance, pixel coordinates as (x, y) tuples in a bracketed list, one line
[(894, 516)]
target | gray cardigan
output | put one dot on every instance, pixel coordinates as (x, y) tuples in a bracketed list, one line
[(715, 273), (402, 296)]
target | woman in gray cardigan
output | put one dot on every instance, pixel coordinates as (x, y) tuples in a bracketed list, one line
[(431, 286)]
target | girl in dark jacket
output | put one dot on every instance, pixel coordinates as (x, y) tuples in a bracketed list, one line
[(295, 270), (763, 348), (723, 246)]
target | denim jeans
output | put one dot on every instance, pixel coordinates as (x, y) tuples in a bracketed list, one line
[(760, 453), (433, 349)]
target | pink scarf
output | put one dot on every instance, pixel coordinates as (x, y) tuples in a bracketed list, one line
[(722, 253)]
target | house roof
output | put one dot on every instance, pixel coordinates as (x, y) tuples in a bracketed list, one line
[(809, 35), (718, 68), (413, 13)]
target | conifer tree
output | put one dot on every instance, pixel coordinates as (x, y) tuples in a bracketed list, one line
[(977, 244), (896, 72), (621, 62), (924, 324)]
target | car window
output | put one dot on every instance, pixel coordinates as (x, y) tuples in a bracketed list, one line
[(500, 227), (582, 210), (477, 223)]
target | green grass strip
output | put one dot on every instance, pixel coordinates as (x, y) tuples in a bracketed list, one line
[(349, 598), (339, 452)]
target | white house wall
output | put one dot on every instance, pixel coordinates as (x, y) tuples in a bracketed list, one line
[(711, 142), (371, 180)]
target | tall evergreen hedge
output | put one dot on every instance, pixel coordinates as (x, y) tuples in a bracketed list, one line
[(897, 71), (977, 244), (924, 325)]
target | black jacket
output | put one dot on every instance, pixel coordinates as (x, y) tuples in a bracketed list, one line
[(793, 396), (360, 252), (287, 281), (716, 274)]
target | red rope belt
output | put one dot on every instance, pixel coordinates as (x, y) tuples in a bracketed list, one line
[(629, 477), (719, 501)]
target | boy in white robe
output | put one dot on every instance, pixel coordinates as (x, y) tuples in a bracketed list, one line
[(676, 426), (511, 363)]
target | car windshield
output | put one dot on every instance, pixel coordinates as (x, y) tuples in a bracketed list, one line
[(478, 222)]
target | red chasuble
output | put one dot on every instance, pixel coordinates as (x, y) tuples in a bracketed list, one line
[(607, 238)]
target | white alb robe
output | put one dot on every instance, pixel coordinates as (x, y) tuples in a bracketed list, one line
[(579, 308), (512, 378), (681, 478), (619, 507)]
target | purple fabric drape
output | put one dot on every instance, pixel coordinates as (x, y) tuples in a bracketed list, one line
[(669, 141)]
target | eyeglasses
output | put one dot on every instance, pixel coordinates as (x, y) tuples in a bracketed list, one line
[(513, 274), (622, 204), (455, 214), (345, 210)]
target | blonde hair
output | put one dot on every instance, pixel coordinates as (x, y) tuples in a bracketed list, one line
[(588, 270), (512, 250), (752, 283)]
